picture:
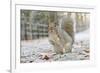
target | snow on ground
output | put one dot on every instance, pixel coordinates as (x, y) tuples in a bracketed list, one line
[(42, 51), (84, 35)]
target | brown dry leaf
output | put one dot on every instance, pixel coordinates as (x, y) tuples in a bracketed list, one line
[(46, 57)]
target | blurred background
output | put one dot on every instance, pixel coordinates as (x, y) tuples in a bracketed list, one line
[(34, 24)]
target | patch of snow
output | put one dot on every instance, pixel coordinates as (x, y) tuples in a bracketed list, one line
[(84, 35), (36, 50)]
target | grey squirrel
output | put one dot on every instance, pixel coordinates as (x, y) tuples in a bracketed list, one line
[(62, 37)]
